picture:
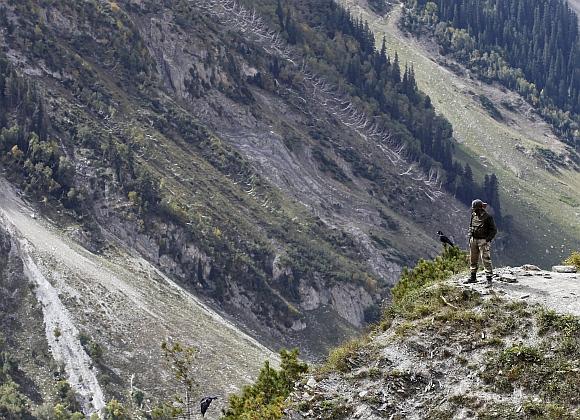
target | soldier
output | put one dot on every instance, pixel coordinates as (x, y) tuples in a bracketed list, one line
[(482, 230)]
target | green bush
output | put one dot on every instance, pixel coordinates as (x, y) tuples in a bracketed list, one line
[(550, 321), (67, 396), (340, 358), (264, 400), (114, 410), (451, 261), (573, 259), (58, 412), (13, 405)]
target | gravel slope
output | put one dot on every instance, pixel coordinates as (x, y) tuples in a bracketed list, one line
[(128, 307)]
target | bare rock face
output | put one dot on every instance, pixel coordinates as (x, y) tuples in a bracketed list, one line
[(349, 301)]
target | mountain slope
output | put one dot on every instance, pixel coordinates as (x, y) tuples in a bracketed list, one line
[(126, 306), (542, 200), (148, 123)]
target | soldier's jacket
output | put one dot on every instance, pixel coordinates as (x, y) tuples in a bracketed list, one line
[(482, 225)]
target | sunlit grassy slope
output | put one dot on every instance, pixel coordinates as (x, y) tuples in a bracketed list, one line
[(545, 205)]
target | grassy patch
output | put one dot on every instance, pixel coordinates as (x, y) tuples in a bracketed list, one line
[(541, 410), (550, 321), (546, 369), (571, 201), (345, 357)]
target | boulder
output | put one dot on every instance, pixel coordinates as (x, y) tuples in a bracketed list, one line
[(311, 383), (564, 269), (530, 267)]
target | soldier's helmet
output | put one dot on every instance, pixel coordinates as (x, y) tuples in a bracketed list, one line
[(478, 204)]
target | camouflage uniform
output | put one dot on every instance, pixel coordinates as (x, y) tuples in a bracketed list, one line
[(482, 230)]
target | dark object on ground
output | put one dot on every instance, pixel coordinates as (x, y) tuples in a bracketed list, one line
[(488, 281), (444, 239), (472, 279), (205, 402)]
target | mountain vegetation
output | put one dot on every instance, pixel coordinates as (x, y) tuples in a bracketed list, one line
[(344, 53), (530, 47), (37, 146), (266, 398), (70, 117), (102, 127)]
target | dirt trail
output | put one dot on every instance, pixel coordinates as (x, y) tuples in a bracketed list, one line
[(128, 307)]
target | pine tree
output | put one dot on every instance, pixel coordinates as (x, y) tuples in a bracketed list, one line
[(280, 14), (396, 70)]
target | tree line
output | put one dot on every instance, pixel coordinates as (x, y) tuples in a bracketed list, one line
[(531, 46)]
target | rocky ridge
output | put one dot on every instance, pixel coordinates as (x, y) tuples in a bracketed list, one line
[(461, 351)]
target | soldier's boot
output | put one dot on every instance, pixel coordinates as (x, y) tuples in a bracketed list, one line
[(472, 279), (488, 280)]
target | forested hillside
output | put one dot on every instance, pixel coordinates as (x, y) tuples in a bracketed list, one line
[(273, 162), (531, 47), (341, 48)]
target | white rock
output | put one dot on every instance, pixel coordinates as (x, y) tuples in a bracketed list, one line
[(311, 383), (564, 269)]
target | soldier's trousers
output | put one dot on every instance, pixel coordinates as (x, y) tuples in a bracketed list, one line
[(480, 248)]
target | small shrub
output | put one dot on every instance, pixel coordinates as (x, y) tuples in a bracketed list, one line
[(342, 358), (114, 410), (91, 347), (520, 354), (540, 410), (550, 321), (451, 261), (13, 405), (67, 396), (404, 328), (265, 398), (573, 259)]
